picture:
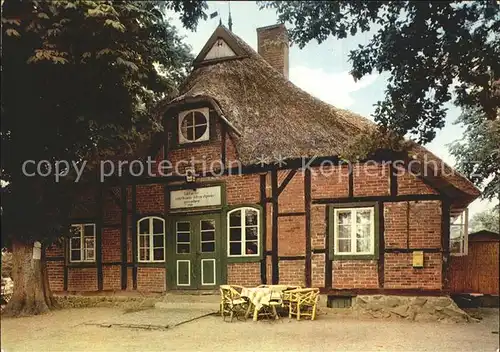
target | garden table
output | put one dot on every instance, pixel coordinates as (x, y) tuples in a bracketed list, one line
[(263, 296)]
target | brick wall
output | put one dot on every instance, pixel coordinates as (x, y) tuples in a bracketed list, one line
[(242, 189), (82, 279), (332, 182), (150, 199), (318, 270), (396, 224), (292, 197), (292, 272), (55, 270), (151, 279), (425, 224), (410, 184), (246, 274), (355, 274), (371, 180), (111, 277), (111, 249), (291, 235), (399, 273), (318, 226)]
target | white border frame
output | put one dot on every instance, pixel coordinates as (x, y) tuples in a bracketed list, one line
[(353, 231), (151, 234), (203, 283), (189, 271), (465, 242), (243, 232), (205, 137), (82, 243)]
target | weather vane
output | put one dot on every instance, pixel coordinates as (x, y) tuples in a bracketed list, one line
[(229, 20)]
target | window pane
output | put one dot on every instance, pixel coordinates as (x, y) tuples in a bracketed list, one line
[(235, 218), (251, 233), (363, 245), (344, 231), (363, 217), (158, 241), (144, 254), (208, 247), (456, 231), (184, 226), (363, 231), (144, 226), (157, 226), (235, 248), (189, 134), (207, 225), (89, 254), (75, 230), (75, 243), (183, 248), (455, 246), (158, 254), (89, 242), (235, 234), (75, 255), (207, 236), (251, 247), (183, 237), (344, 217), (199, 131), (250, 217), (344, 246), (199, 118), (143, 241), (88, 230)]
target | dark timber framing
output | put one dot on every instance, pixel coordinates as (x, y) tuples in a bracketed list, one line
[(263, 204), (134, 237), (381, 244), (445, 241), (123, 237), (274, 200), (99, 222), (393, 178), (328, 260), (307, 207)]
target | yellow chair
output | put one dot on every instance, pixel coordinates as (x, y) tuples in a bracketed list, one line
[(302, 302), (232, 303)]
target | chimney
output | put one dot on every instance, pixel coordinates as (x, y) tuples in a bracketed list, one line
[(272, 43)]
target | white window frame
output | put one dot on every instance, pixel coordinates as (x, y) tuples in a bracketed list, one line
[(353, 231), (150, 235), (82, 248), (204, 137), (243, 233), (462, 222)]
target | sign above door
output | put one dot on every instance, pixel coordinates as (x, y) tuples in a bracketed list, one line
[(194, 198)]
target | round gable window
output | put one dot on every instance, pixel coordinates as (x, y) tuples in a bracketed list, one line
[(194, 127)]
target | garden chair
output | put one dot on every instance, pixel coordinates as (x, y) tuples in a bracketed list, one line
[(302, 302), (232, 304)]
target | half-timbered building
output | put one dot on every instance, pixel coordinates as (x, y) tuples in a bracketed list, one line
[(258, 191)]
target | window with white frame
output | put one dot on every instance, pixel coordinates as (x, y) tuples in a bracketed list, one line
[(243, 225), (459, 234), (151, 239), (354, 231), (82, 243), (194, 126)]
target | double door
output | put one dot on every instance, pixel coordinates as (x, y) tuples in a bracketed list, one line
[(195, 249)]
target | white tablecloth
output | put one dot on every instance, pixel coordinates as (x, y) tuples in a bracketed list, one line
[(260, 296)]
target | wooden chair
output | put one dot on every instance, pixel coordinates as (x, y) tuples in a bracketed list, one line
[(232, 304), (302, 302)]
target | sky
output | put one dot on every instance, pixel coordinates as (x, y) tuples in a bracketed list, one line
[(321, 70)]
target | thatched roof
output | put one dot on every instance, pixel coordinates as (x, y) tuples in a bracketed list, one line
[(274, 116)]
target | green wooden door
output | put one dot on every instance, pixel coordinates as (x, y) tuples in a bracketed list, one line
[(196, 251)]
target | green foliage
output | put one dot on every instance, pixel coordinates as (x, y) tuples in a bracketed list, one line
[(478, 152), (426, 46), (79, 81), (486, 220)]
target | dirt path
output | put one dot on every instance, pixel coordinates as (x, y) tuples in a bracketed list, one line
[(66, 330)]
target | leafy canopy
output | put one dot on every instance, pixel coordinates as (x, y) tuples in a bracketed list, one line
[(79, 80), (486, 220), (430, 49)]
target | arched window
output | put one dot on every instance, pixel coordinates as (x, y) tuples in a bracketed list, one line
[(151, 239), (243, 226)]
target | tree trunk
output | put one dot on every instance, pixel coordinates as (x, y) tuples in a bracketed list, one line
[(31, 294)]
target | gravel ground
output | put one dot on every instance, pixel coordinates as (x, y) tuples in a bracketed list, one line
[(66, 330)]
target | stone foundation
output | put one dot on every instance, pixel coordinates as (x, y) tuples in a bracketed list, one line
[(71, 301), (411, 308)]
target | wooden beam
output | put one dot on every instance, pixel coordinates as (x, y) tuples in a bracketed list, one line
[(223, 146), (407, 224), (123, 237), (382, 291), (393, 180), (351, 180), (299, 213), (401, 198), (100, 209), (263, 204), (274, 192), (287, 180), (134, 236), (292, 257), (65, 269), (328, 260), (307, 207), (115, 198), (445, 242), (381, 245)]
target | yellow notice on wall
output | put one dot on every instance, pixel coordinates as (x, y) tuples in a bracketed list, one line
[(418, 259)]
